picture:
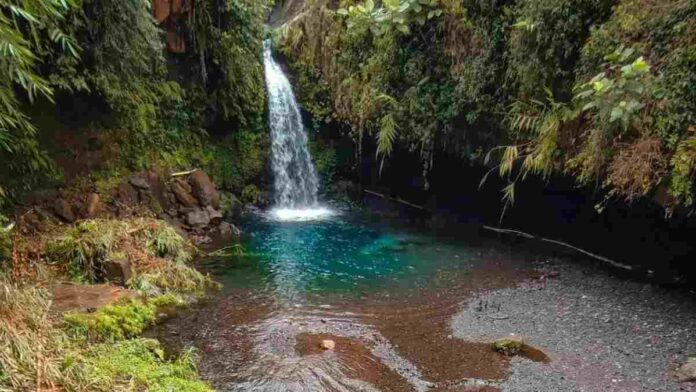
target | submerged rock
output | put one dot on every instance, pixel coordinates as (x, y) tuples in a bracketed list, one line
[(327, 344), (508, 346), (687, 371)]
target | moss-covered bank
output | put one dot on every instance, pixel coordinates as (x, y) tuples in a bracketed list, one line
[(101, 349)]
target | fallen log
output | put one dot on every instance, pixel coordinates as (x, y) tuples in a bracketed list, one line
[(565, 244)]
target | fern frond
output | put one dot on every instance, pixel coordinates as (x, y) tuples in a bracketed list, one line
[(385, 137)]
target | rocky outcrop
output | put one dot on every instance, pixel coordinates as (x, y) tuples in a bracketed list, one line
[(197, 218), (190, 202), (194, 201), (204, 189), (228, 230), (182, 191)]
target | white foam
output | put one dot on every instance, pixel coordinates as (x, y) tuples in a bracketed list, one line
[(300, 214)]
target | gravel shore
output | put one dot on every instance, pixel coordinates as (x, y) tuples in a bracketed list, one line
[(602, 333)]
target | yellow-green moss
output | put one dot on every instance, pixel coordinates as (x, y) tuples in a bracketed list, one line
[(507, 346), (139, 364)]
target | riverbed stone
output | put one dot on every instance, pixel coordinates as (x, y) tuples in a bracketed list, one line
[(204, 189), (687, 372), (327, 344), (64, 211), (509, 346), (198, 218)]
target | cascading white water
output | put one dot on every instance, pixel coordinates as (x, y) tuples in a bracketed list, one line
[(295, 178)]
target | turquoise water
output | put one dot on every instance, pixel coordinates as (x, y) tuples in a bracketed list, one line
[(345, 254)]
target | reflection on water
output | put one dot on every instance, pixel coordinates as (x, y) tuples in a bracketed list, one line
[(347, 255)]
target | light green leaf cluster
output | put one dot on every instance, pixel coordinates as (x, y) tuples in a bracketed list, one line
[(393, 15)]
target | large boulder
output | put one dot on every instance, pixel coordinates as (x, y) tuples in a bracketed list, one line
[(64, 211), (183, 195), (204, 189), (117, 271), (214, 215), (197, 218)]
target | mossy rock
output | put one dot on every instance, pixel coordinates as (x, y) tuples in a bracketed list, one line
[(509, 347)]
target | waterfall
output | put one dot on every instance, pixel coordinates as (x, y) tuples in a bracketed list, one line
[(295, 178)]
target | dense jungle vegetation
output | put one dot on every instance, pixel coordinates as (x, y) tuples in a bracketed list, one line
[(600, 90), (102, 72), (92, 91), (603, 91)]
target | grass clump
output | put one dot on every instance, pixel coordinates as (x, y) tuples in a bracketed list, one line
[(39, 352), (30, 349), (88, 245), (157, 254)]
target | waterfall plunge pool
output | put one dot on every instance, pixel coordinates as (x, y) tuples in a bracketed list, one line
[(366, 284)]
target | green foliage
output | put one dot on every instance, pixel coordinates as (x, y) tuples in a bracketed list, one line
[(545, 43), (325, 161), (616, 94), (154, 112), (684, 165), (35, 351), (251, 194), (30, 30), (238, 160), (562, 86), (392, 15), (228, 41), (5, 239)]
